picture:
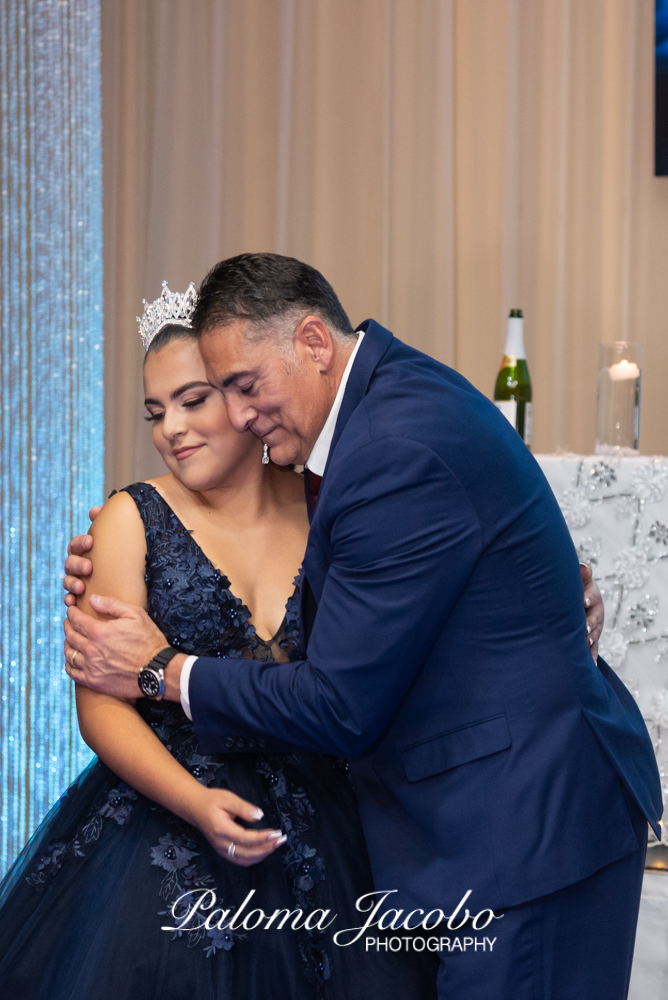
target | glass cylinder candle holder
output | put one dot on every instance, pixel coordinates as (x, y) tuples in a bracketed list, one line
[(618, 406)]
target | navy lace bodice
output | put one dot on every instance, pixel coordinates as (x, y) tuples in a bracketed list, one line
[(111, 864), (191, 602), (190, 599)]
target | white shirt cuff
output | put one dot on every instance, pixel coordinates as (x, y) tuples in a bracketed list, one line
[(185, 680)]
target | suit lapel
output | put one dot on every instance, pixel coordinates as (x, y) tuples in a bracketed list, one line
[(374, 345), (307, 609)]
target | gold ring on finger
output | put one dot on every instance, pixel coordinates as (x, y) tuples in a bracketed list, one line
[(73, 657)]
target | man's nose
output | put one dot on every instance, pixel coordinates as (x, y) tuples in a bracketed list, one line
[(240, 412)]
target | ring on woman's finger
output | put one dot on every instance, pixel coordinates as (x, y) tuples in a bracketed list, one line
[(72, 657), (231, 850)]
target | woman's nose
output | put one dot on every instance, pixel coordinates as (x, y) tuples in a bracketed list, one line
[(173, 423)]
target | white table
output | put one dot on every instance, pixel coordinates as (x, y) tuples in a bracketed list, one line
[(617, 511), (649, 976)]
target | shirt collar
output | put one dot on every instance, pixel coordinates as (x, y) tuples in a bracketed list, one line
[(317, 460)]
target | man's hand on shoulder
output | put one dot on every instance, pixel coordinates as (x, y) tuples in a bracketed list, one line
[(77, 565), (108, 655)]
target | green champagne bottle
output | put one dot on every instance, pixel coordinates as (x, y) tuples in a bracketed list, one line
[(512, 394)]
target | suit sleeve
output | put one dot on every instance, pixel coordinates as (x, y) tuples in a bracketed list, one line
[(404, 539)]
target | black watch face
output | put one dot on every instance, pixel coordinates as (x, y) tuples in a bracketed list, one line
[(149, 683)]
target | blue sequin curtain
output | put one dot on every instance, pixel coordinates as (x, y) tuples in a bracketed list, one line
[(52, 392)]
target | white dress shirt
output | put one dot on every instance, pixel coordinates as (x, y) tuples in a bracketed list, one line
[(184, 681), (315, 463), (317, 460)]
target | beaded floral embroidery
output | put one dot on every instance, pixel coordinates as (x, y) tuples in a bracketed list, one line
[(192, 602)]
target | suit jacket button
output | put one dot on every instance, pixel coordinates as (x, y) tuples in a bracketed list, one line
[(251, 743), (241, 743), (262, 743), (229, 743)]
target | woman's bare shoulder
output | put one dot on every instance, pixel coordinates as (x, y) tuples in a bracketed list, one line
[(118, 554), (161, 482), (119, 513)]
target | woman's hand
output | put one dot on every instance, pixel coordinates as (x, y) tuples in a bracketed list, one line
[(214, 813), (77, 565), (593, 607)]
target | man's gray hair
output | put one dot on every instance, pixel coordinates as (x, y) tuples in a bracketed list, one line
[(272, 292)]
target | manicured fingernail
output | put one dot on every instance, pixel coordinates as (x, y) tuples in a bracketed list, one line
[(587, 602), (275, 835), (279, 843), (258, 814), (588, 629), (590, 640)]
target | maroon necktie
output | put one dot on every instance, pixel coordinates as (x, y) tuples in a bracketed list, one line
[(313, 487)]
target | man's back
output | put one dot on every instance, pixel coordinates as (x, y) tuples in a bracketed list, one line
[(492, 751), (446, 655)]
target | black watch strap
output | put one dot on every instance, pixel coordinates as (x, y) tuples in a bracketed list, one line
[(162, 658)]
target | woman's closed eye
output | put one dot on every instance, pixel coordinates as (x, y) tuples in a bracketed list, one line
[(190, 403)]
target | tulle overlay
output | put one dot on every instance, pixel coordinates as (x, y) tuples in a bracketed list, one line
[(82, 908)]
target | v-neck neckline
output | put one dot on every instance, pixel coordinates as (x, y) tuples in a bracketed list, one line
[(225, 578)]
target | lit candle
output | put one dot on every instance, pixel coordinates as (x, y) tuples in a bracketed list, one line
[(623, 370)]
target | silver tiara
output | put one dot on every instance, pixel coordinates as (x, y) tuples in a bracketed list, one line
[(170, 308)]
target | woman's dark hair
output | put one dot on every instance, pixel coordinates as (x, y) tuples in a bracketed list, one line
[(261, 286), (167, 335)]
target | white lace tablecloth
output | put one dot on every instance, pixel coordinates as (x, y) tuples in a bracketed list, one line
[(617, 511)]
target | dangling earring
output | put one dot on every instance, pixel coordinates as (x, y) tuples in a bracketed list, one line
[(265, 456)]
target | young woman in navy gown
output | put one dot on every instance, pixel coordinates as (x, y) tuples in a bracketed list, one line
[(145, 824)]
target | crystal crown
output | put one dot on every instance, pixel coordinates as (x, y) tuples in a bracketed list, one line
[(170, 308)]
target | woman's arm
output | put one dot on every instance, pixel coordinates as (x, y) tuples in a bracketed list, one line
[(112, 727), (116, 732)]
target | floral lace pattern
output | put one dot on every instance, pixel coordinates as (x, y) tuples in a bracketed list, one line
[(617, 510), (191, 601), (114, 804)]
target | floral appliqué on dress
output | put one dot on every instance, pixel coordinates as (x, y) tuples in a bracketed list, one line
[(192, 603)]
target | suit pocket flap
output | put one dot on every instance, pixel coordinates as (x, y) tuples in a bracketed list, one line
[(460, 746)]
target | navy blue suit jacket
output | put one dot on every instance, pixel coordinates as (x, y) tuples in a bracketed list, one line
[(447, 655)]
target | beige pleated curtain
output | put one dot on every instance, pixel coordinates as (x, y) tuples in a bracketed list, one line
[(439, 160)]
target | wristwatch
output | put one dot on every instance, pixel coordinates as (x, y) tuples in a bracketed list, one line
[(151, 679)]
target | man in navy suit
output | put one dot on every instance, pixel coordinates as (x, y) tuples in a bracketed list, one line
[(447, 652)]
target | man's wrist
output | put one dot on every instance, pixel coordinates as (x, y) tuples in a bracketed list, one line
[(173, 678)]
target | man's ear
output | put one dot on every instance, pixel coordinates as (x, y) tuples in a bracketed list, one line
[(314, 343)]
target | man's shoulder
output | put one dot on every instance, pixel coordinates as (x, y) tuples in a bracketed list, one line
[(401, 359), (406, 392), (415, 405), (414, 396), (407, 381)]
